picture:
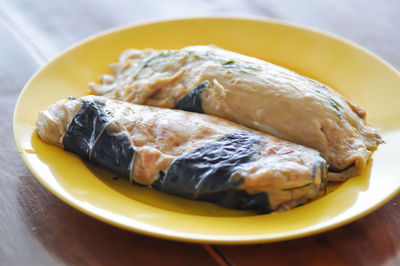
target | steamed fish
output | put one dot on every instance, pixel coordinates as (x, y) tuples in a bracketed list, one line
[(249, 91), (191, 155)]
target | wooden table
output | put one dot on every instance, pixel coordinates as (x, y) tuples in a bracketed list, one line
[(38, 229)]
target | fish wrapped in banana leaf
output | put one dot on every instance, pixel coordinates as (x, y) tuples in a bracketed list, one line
[(249, 91), (190, 155)]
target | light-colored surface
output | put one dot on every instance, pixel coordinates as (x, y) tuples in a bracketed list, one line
[(322, 57), (159, 136), (251, 92)]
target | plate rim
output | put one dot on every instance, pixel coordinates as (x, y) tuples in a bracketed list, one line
[(198, 237)]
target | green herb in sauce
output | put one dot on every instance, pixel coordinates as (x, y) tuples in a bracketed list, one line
[(336, 106), (333, 103), (225, 63), (241, 67), (149, 60), (162, 54)]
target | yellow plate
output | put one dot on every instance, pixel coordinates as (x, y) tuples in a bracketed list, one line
[(355, 72)]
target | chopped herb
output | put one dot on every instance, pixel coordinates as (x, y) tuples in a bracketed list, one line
[(242, 68), (334, 103), (228, 62), (193, 54), (336, 106), (162, 54), (225, 63), (150, 60)]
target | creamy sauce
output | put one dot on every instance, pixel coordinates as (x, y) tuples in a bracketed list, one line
[(251, 92), (282, 169)]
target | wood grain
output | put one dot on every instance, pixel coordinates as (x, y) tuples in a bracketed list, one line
[(16, 66), (38, 229), (77, 239), (371, 23), (373, 240)]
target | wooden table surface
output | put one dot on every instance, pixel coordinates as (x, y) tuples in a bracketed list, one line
[(39, 229)]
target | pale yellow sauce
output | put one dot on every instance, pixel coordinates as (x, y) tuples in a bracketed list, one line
[(251, 92), (160, 135)]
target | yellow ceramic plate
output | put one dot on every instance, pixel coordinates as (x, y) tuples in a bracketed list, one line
[(356, 73)]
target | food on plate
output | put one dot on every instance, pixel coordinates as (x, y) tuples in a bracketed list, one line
[(191, 155), (249, 91)]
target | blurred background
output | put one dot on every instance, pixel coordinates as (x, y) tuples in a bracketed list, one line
[(51, 26)]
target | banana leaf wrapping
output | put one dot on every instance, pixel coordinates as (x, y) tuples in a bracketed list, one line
[(249, 91), (186, 154)]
